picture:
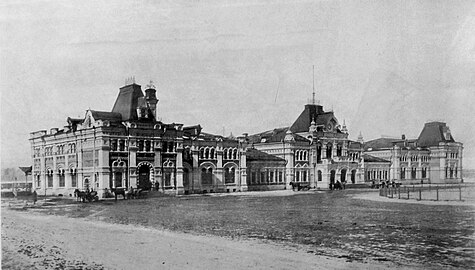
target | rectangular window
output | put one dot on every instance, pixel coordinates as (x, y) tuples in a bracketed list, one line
[(50, 180), (62, 181), (272, 176), (74, 180), (263, 177), (253, 177), (38, 181)]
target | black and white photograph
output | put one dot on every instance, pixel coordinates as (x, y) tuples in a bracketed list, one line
[(237, 134)]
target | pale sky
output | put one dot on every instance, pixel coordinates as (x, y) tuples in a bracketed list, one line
[(385, 67)]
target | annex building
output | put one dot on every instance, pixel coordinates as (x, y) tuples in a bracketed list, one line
[(129, 146)]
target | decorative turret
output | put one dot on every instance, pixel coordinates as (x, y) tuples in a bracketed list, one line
[(289, 137), (313, 127), (343, 128), (360, 138), (151, 99)]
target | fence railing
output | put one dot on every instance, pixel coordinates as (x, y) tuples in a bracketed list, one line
[(430, 192)]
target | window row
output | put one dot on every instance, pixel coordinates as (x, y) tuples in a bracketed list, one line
[(118, 145), (452, 155), (208, 153), (230, 153), (301, 155), (413, 173), (61, 180), (451, 172), (376, 174), (267, 176)]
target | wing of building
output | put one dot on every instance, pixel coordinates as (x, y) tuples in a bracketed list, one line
[(129, 147)]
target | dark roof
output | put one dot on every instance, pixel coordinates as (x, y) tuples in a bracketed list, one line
[(379, 143), (311, 113), (110, 116), (433, 133), (26, 169), (369, 158), (253, 154), (353, 144), (209, 136), (192, 130), (127, 101), (274, 135), (73, 121)]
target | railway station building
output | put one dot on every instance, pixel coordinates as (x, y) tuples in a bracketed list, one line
[(129, 146)]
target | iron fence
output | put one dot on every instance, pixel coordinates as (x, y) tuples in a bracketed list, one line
[(431, 192)]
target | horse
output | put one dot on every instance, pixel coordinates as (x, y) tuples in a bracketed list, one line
[(119, 191), (299, 186), (81, 195)]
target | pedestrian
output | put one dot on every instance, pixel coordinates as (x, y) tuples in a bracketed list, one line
[(35, 196)]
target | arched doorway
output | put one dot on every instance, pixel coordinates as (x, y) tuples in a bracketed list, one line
[(144, 178), (332, 178), (353, 176), (343, 176)]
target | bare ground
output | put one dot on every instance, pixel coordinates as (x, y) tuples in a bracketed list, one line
[(36, 241)]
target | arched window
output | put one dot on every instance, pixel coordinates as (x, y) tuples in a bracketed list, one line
[(329, 150), (229, 175), (202, 153), (206, 153), (234, 153), (339, 150), (211, 154), (74, 178), (61, 177), (49, 175), (319, 153), (207, 176), (225, 154), (113, 145)]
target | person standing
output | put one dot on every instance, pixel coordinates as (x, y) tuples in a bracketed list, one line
[(35, 196)]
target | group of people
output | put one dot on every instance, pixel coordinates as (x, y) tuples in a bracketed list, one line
[(383, 184), (338, 185)]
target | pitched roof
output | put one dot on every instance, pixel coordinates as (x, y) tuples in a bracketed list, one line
[(379, 143), (253, 154), (127, 101), (110, 116), (370, 159), (433, 133), (310, 113), (274, 135)]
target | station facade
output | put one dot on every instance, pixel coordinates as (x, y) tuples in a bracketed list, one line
[(128, 146)]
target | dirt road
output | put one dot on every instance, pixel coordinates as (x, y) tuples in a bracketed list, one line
[(36, 241)]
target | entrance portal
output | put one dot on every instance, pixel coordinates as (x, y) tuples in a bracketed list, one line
[(144, 178), (343, 176)]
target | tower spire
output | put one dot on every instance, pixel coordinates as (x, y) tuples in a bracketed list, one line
[(313, 84)]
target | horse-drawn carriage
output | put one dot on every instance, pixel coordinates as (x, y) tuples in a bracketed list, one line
[(130, 193), (299, 186), (86, 195)]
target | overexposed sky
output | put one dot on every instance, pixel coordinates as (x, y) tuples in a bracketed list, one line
[(385, 67)]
